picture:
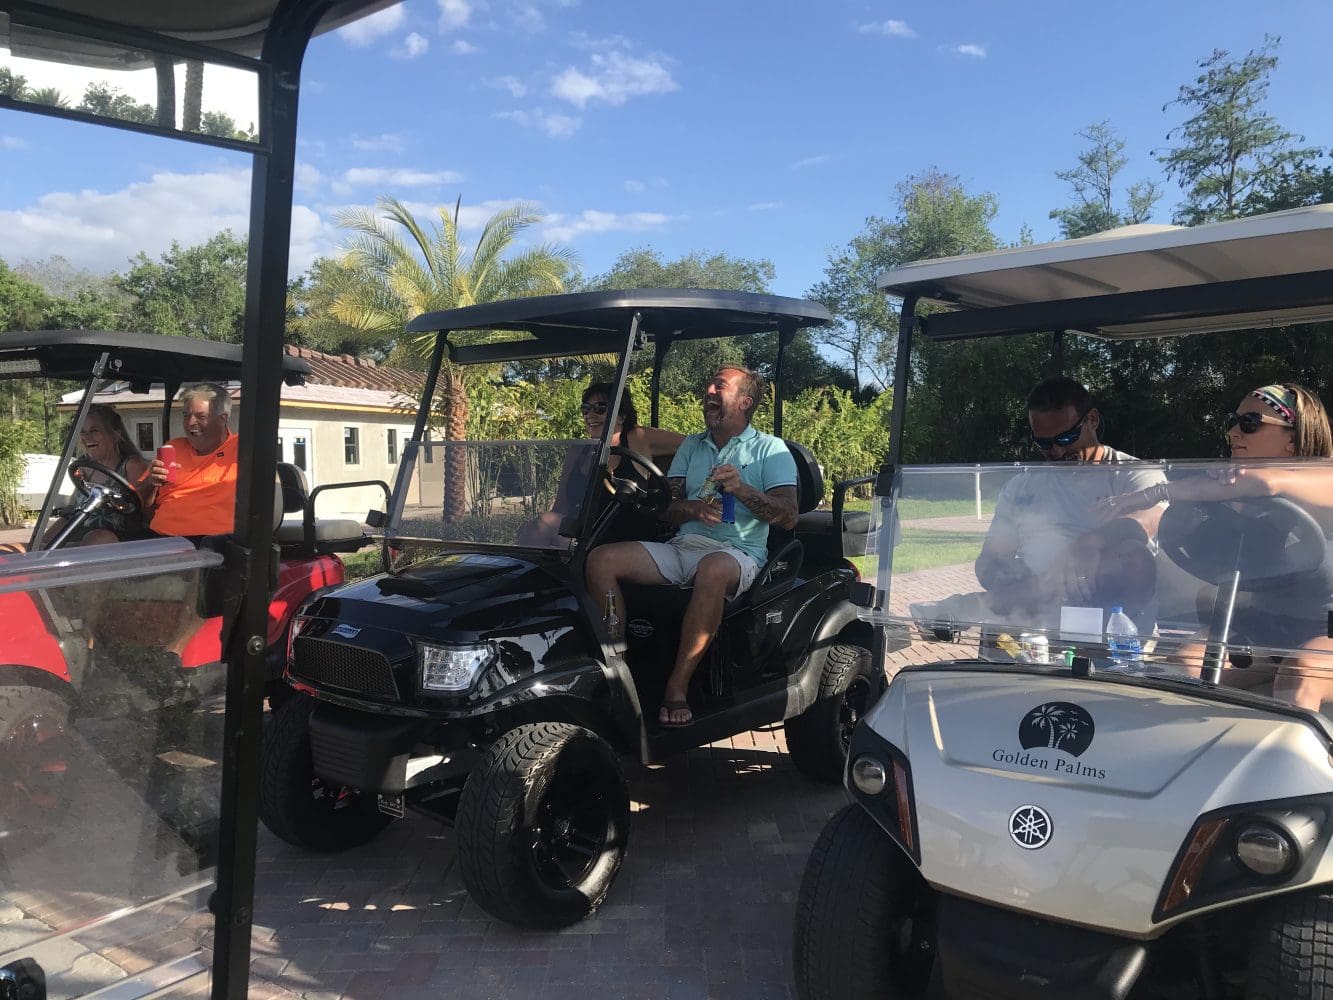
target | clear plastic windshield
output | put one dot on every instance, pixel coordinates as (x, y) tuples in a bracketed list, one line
[(1145, 568), (492, 492), (111, 736)]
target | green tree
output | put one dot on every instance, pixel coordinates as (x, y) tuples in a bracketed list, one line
[(1094, 183), (400, 269), (1229, 146), (23, 304), (196, 291), (862, 324), (50, 96), (13, 85), (107, 101)]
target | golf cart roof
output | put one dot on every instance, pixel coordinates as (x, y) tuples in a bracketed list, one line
[(133, 357), (237, 26), (1138, 281), (597, 322)]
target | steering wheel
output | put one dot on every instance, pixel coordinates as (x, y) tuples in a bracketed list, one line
[(1270, 541), (628, 491), (118, 494)]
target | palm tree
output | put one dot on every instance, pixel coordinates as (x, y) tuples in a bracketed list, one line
[(390, 279)]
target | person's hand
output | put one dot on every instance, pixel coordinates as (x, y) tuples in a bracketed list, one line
[(1126, 503), (1227, 475), (157, 473), (727, 477), (1073, 576), (697, 510)]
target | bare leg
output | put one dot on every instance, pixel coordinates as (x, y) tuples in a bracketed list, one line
[(542, 530), (1308, 682), (620, 562), (717, 576), (100, 536)]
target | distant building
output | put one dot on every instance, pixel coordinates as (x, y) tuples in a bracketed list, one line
[(349, 422)]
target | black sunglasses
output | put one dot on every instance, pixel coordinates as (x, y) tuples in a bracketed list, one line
[(598, 408), (1250, 422), (1063, 439)]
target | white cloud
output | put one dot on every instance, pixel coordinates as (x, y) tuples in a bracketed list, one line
[(812, 161), (766, 206), (307, 178), (454, 14), (385, 177), (368, 29), (516, 87), (390, 141), (527, 17), (471, 218), (583, 40), (635, 187), (890, 28), (462, 47), (12, 142), (557, 126), (971, 49), (566, 228), (413, 45), (613, 79)]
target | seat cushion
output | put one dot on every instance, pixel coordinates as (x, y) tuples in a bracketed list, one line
[(327, 529)]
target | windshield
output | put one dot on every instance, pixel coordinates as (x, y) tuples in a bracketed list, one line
[(1142, 567)]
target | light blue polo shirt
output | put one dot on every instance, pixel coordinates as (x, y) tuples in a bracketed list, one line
[(764, 463)]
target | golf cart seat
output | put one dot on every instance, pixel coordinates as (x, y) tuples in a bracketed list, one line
[(311, 536)]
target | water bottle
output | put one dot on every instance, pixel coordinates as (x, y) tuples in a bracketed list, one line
[(611, 620), (1122, 639)]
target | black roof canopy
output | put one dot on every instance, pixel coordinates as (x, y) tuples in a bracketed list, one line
[(596, 322), (134, 357)]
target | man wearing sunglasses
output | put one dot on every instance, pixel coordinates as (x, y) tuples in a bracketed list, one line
[(1048, 544)]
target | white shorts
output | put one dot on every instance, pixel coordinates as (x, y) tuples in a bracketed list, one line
[(678, 559)]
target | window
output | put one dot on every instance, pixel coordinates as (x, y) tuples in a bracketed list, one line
[(352, 445), (393, 445), (143, 432)]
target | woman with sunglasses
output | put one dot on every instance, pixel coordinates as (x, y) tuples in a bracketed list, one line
[(1279, 421), (650, 442)]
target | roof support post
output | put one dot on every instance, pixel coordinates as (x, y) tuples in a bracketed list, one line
[(902, 372), (786, 334), (251, 561), (661, 345)]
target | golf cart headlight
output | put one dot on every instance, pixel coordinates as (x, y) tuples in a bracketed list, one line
[(869, 775), (1265, 850), (451, 668), (298, 623)]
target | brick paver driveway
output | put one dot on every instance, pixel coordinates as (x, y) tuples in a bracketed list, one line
[(702, 908)]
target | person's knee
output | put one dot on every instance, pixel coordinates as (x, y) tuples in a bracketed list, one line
[(717, 574)]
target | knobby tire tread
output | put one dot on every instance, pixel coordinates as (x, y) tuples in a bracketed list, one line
[(812, 740)]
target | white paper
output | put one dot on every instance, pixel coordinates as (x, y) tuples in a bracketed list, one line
[(1081, 624)]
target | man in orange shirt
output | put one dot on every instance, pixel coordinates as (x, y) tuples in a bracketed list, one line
[(197, 496)]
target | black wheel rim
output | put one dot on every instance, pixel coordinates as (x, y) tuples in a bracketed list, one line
[(573, 822), (855, 701), (33, 764)]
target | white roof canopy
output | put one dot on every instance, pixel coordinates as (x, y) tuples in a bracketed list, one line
[(1175, 271)]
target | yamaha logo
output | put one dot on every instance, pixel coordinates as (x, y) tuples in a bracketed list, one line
[(1030, 827), (1057, 725)]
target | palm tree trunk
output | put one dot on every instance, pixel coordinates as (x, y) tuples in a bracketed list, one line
[(455, 452), (192, 108)]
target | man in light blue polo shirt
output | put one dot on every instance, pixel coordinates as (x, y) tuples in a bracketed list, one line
[(719, 559)]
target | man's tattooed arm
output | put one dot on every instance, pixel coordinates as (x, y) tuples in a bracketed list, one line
[(778, 506)]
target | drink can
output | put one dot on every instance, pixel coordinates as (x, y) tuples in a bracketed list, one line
[(728, 508), (167, 456), (1036, 647)]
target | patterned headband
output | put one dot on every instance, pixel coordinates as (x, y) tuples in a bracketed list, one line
[(1280, 400)]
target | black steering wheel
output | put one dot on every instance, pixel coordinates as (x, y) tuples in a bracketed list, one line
[(117, 493), (628, 491), (1270, 541)]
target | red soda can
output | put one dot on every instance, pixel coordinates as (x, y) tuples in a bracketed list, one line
[(167, 456)]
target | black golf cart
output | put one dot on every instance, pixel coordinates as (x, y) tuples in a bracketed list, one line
[(475, 680)]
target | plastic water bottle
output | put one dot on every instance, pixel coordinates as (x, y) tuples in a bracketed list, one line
[(1122, 639), (611, 620)]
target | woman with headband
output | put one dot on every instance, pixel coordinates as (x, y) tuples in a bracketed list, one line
[(1273, 422)]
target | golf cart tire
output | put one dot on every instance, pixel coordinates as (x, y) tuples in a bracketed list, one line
[(25, 713), (514, 802), (845, 916), (816, 737), (294, 804), (1293, 955)]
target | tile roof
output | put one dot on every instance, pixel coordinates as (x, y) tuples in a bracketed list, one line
[(356, 373)]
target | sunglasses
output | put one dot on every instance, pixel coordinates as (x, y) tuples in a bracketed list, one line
[(1063, 439), (1250, 422), (598, 408)]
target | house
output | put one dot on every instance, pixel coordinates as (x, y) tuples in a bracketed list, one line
[(348, 423)]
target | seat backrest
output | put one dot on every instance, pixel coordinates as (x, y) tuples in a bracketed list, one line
[(294, 489), (809, 477)]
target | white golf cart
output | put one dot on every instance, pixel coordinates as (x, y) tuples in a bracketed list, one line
[(1033, 817)]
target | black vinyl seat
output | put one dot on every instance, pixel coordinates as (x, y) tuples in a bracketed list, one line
[(327, 534)]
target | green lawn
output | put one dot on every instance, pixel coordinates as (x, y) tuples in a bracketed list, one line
[(360, 565), (928, 549), (910, 509)]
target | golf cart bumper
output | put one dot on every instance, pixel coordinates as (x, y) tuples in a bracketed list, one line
[(985, 951), (382, 754)]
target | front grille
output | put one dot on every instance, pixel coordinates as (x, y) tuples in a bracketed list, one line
[(349, 668)]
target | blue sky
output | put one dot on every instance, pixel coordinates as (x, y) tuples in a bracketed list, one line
[(758, 129)]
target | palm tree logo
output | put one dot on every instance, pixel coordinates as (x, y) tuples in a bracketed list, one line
[(1057, 725)]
